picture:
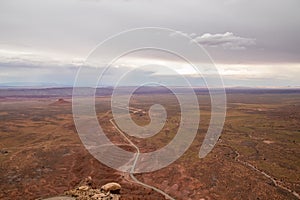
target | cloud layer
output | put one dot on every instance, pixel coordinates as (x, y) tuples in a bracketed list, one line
[(46, 41)]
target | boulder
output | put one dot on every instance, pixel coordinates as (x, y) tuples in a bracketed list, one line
[(111, 187)]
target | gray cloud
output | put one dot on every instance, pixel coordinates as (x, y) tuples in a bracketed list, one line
[(226, 40)]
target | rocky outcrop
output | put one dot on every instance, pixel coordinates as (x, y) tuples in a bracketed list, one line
[(109, 191)]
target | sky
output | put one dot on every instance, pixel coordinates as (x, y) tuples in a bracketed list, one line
[(251, 43)]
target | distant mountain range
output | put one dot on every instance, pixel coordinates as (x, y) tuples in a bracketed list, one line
[(36, 85), (48, 90)]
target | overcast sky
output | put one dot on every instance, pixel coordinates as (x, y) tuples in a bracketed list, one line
[(252, 43)]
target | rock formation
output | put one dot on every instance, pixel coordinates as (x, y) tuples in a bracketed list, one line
[(109, 191)]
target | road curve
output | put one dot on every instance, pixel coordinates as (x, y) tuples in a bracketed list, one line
[(134, 164)]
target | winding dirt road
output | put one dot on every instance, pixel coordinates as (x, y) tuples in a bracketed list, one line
[(135, 161), (275, 182)]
